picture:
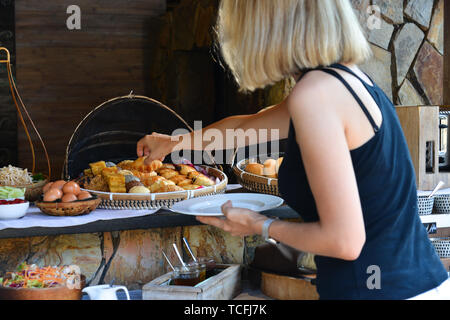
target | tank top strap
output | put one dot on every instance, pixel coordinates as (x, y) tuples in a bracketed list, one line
[(348, 70), (358, 100)]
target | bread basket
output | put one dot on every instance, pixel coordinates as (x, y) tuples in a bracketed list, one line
[(255, 182), (76, 208), (153, 201)]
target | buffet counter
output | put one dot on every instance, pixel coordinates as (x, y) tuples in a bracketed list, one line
[(36, 223)]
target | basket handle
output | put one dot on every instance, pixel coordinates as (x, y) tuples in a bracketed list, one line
[(16, 97)]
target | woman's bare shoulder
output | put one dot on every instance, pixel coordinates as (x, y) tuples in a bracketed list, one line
[(317, 90)]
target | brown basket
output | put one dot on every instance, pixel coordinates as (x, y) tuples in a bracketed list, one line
[(154, 201), (254, 182), (77, 208)]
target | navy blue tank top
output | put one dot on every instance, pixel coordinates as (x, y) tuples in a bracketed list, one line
[(397, 246)]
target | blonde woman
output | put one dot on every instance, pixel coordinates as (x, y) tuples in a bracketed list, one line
[(347, 169)]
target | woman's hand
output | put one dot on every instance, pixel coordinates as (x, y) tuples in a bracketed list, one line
[(155, 147), (237, 221)]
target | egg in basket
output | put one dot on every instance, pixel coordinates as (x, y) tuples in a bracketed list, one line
[(132, 184)]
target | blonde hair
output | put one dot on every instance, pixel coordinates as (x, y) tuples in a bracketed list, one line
[(265, 41)]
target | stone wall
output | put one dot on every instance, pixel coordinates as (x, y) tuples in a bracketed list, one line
[(408, 49), (8, 118)]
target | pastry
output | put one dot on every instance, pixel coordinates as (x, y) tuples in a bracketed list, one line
[(97, 167), (168, 173), (203, 180), (184, 182), (191, 187), (109, 170), (126, 164), (97, 183), (139, 189), (116, 183), (193, 174), (168, 166), (130, 185), (255, 168), (170, 188), (178, 178), (185, 169)]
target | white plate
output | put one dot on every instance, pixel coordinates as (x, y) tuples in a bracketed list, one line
[(13, 211), (211, 205)]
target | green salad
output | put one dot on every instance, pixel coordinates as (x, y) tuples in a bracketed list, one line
[(11, 193)]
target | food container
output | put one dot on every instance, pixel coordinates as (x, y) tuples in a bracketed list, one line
[(33, 190), (13, 211), (442, 246), (425, 204), (255, 182), (76, 208), (110, 133), (56, 293), (442, 202), (225, 285)]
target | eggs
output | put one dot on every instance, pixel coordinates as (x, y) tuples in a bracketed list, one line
[(71, 187), (65, 191), (69, 197), (58, 184), (47, 187), (83, 195), (52, 195)]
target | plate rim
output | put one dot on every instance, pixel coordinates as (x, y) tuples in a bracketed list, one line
[(263, 195)]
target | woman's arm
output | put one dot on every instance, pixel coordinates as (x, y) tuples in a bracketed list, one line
[(320, 130), (274, 120)]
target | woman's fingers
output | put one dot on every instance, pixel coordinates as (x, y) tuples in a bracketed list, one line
[(216, 222)]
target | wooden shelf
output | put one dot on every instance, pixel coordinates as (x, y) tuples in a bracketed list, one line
[(441, 220)]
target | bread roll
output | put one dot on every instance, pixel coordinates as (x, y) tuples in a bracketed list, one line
[(269, 169), (203, 180), (185, 169), (255, 168)]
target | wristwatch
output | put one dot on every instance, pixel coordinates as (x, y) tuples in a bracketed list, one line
[(265, 228)]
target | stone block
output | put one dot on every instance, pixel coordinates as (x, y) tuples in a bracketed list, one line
[(408, 95), (428, 70), (420, 11), (391, 9), (381, 37), (406, 44), (436, 32), (379, 69)]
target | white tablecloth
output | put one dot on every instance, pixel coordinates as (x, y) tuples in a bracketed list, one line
[(35, 218)]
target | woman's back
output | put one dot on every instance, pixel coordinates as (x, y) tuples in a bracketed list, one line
[(397, 260)]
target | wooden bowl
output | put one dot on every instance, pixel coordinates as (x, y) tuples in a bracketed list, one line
[(57, 293), (76, 208)]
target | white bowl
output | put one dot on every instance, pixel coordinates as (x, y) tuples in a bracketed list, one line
[(13, 211)]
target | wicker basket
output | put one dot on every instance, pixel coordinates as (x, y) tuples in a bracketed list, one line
[(254, 182), (442, 204), (76, 208), (154, 201), (442, 246), (425, 205)]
